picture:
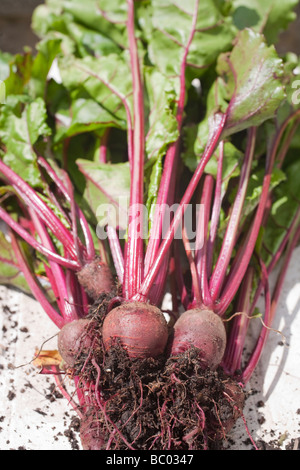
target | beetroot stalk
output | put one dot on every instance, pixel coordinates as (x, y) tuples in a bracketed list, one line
[(53, 256), (236, 339), (57, 319), (68, 194), (166, 243), (31, 198), (243, 258), (68, 311), (215, 211), (116, 252), (271, 306), (133, 274), (219, 273), (201, 240), (167, 188)]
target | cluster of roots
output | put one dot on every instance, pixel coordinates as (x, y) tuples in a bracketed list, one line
[(169, 403)]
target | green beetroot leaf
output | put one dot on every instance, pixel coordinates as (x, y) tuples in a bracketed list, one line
[(107, 17), (107, 191), (252, 75), (106, 79), (170, 28), (270, 17), (10, 273), (249, 88), (20, 134)]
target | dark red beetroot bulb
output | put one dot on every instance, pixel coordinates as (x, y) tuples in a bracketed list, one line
[(91, 433), (76, 338), (96, 278), (204, 330), (139, 327)]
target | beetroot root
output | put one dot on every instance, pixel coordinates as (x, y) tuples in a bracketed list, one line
[(140, 328), (204, 330), (228, 410), (96, 278), (74, 339), (91, 433)]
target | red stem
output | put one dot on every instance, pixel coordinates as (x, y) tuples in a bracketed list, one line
[(67, 311), (236, 341), (217, 130), (16, 227), (103, 146), (249, 369), (219, 273), (195, 278), (201, 240), (116, 252), (31, 198), (277, 256), (166, 189), (271, 307), (35, 289), (215, 217), (134, 252), (68, 194), (184, 296), (243, 258)]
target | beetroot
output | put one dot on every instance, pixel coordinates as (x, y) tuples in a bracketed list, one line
[(91, 434), (75, 339), (96, 278), (229, 409), (140, 328), (204, 330), (236, 397)]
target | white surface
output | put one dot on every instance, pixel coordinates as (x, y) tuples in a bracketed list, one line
[(24, 392), (28, 419)]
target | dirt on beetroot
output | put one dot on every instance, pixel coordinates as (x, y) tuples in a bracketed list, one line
[(166, 403)]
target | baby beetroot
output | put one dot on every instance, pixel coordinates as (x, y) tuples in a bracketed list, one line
[(96, 278), (230, 408), (91, 434), (204, 330), (139, 327), (74, 339)]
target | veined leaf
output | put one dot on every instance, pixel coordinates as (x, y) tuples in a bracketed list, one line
[(106, 16), (107, 80), (162, 122), (286, 197), (20, 134), (107, 191), (269, 16), (171, 26), (251, 75)]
